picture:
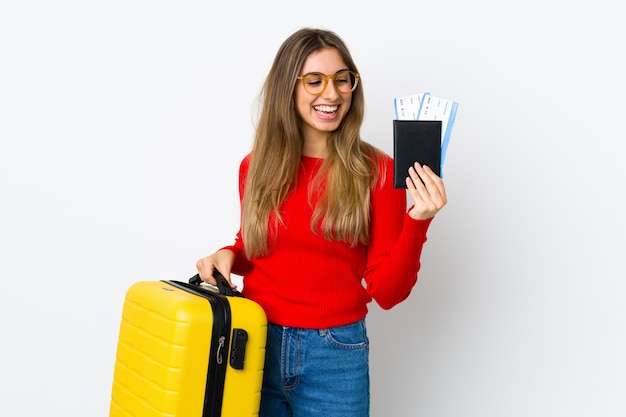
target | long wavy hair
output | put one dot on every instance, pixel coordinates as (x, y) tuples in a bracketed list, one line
[(347, 175)]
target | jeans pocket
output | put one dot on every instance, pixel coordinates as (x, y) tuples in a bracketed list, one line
[(349, 337)]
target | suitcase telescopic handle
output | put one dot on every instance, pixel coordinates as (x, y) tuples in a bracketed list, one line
[(223, 286)]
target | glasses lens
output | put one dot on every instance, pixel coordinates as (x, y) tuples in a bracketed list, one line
[(345, 81), (314, 82)]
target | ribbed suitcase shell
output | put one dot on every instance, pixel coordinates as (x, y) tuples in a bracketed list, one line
[(163, 353)]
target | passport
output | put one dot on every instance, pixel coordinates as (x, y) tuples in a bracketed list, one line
[(415, 141)]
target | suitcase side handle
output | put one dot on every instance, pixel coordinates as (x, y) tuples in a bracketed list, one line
[(223, 285)]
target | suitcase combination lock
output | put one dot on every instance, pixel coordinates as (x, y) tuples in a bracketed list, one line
[(238, 348)]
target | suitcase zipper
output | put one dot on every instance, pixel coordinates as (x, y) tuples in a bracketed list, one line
[(219, 350), (216, 371), (217, 368)]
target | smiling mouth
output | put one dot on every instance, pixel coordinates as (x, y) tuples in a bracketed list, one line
[(326, 109)]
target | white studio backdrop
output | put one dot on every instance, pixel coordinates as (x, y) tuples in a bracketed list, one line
[(122, 124)]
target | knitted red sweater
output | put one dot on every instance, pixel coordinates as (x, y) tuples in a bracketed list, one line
[(307, 281)]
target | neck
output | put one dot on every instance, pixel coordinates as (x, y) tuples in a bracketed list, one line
[(315, 147)]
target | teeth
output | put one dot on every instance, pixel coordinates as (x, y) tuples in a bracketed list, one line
[(326, 109)]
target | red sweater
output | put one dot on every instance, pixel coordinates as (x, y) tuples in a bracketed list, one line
[(307, 281)]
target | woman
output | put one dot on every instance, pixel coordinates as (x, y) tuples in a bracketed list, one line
[(323, 231)]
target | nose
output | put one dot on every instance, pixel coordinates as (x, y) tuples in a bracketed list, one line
[(330, 91)]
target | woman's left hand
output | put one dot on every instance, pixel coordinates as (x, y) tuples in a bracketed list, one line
[(427, 190)]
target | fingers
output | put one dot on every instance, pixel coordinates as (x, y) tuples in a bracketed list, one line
[(205, 268), (434, 184), (420, 179), (427, 190), (221, 261)]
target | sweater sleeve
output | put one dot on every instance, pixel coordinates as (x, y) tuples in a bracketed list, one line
[(396, 242), (241, 264)]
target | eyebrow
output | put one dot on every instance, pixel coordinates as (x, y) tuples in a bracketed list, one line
[(319, 72)]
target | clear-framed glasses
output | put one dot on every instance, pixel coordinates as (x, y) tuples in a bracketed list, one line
[(315, 82)]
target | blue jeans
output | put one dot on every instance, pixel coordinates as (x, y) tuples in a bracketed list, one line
[(316, 372)]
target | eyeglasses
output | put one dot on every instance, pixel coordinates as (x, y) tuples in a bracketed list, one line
[(315, 83)]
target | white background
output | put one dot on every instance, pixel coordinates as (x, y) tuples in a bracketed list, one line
[(122, 124)]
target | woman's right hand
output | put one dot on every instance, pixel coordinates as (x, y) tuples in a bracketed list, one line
[(222, 260)]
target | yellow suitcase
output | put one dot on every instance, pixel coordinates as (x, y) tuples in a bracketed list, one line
[(187, 350)]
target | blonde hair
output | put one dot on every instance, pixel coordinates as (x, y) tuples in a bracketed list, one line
[(346, 176)]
